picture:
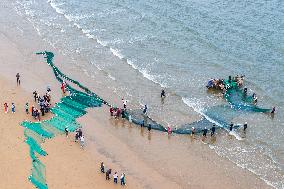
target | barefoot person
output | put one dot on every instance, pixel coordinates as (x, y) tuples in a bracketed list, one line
[(27, 108), (192, 131), (115, 176), (163, 94), (66, 132), (245, 126), (82, 141), (6, 107), (169, 130), (108, 174), (102, 167), (273, 110), (35, 95), (18, 79), (124, 101), (231, 127), (13, 108), (122, 179), (145, 109), (205, 132), (213, 130)]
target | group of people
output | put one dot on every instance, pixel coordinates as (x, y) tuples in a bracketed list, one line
[(6, 107), (238, 79), (43, 102), (119, 112), (78, 136), (213, 129), (219, 84), (115, 175), (216, 84)]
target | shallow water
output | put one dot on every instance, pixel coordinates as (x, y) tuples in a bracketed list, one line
[(137, 47)]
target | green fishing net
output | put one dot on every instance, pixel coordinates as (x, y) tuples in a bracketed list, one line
[(65, 113)]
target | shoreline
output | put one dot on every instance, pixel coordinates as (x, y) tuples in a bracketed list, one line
[(51, 146)]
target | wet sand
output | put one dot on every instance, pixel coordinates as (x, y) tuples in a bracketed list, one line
[(150, 160), (161, 161)]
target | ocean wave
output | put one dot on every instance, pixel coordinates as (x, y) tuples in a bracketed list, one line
[(55, 6), (117, 53), (151, 77), (111, 77), (74, 18)]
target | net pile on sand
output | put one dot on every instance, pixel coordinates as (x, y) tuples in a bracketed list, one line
[(65, 114)]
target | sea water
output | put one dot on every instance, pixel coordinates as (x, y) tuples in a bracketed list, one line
[(143, 46)]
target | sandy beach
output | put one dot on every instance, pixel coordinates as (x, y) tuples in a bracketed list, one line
[(150, 160)]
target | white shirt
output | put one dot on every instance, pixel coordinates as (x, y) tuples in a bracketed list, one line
[(82, 139), (115, 176), (124, 101)]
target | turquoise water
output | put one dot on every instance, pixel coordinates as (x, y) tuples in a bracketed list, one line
[(142, 46)]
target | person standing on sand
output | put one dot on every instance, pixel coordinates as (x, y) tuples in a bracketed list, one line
[(111, 110), (122, 179), (6, 107), (124, 101), (192, 131), (115, 176), (213, 130), (76, 136), (42, 110), (102, 167), (18, 79), (38, 115), (107, 174), (66, 132), (82, 141), (13, 108), (273, 110), (163, 94), (145, 109), (169, 130), (27, 108), (231, 126), (63, 87), (245, 126), (205, 132), (35, 95)]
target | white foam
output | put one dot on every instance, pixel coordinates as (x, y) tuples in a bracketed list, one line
[(55, 7), (90, 36), (117, 53), (99, 68), (78, 26), (110, 76), (74, 18), (77, 51), (102, 42), (85, 31)]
